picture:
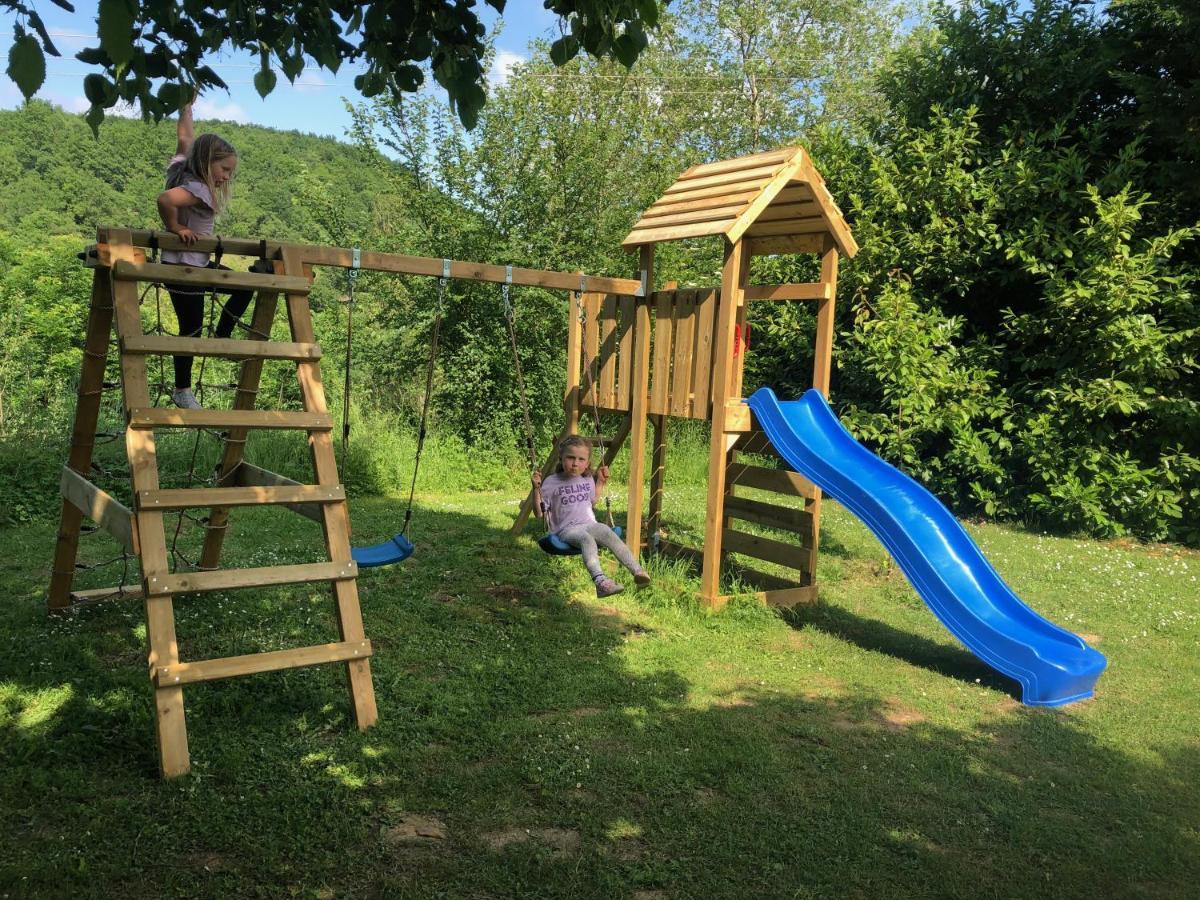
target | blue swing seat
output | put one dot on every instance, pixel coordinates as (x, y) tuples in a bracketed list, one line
[(556, 546), (391, 551)]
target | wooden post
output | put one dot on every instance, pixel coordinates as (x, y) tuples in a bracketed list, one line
[(83, 435), (170, 726), (335, 518), (724, 369), (658, 466), (640, 405), (822, 368)]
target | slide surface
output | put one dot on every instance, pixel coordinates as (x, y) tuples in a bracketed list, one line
[(937, 555)]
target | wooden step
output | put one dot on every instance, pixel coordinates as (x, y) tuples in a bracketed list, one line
[(770, 514), (162, 417), (248, 475), (200, 276), (230, 666), (227, 348), (191, 498), (232, 579)]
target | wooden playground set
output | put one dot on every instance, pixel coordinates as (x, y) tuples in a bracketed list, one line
[(646, 356)]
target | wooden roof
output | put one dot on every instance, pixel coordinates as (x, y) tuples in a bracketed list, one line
[(778, 194)]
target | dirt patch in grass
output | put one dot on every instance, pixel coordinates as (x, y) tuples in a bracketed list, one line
[(1092, 639), (897, 715), (508, 592), (731, 701), (560, 840), (415, 831)]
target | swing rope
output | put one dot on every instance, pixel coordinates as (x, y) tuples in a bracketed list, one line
[(510, 320), (434, 340)]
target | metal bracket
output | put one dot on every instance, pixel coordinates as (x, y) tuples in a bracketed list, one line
[(445, 268), (508, 274), (644, 289), (355, 262)]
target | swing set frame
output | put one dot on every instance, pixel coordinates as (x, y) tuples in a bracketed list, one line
[(764, 204)]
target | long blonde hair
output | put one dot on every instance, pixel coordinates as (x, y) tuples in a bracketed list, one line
[(206, 150)]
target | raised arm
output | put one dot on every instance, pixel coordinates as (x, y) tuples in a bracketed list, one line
[(185, 131)]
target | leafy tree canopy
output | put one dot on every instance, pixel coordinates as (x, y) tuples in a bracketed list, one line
[(153, 52)]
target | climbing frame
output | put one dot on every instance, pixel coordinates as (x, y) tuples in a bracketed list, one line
[(119, 268)]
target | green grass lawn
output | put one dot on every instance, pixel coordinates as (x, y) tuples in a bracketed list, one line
[(534, 741)]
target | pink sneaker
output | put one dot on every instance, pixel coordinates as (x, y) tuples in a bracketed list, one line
[(606, 587)]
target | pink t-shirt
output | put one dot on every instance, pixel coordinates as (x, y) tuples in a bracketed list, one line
[(199, 217), (570, 498)]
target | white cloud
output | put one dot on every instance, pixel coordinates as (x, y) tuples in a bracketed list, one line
[(310, 81), (211, 109), (502, 66)]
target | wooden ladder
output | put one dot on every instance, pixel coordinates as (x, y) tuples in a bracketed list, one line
[(120, 267)]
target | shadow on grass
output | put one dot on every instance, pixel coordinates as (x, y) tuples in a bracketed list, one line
[(529, 745), (879, 637)]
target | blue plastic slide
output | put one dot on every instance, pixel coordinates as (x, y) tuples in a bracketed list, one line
[(941, 561)]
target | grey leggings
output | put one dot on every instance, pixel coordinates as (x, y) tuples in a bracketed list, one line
[(587, 537)]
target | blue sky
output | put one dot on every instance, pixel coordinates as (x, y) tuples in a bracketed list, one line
[(314, 104)]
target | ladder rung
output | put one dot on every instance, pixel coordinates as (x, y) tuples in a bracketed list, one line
[(224, 347), (230, 666), (190, 498), (230, 579), (162, 417), (228, 279)]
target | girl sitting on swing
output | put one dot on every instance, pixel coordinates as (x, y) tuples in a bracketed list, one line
[(566, 499)]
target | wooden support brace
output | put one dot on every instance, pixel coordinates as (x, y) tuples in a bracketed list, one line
[(102, 508), (161, 417), (234, 579), (183, 673)]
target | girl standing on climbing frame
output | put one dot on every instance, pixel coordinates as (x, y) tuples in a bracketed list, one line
[(566, 498), (199, 178)]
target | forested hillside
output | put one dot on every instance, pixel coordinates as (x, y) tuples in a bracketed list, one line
[(1020, 330)]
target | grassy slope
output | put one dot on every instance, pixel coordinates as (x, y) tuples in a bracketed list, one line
[(534, 741)]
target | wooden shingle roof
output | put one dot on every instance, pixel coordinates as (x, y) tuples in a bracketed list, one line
[(778, 194)]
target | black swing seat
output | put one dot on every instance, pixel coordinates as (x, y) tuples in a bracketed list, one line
[(398, 549), (556, 546)]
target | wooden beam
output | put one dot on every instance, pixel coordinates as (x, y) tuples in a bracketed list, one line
[(775, 246), (771, 515), (804, 291), (192, 498), (790, 555), (236, 579), (639, 408), (724, 376), (373, 261), (102, 508), (162, 417), (737, 416), (228, 348), (83, 437), (98, 595), (335, 516), (140, 448), (467, 271), (200, 276), (254, 663), (782, 597), (781, 481)]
